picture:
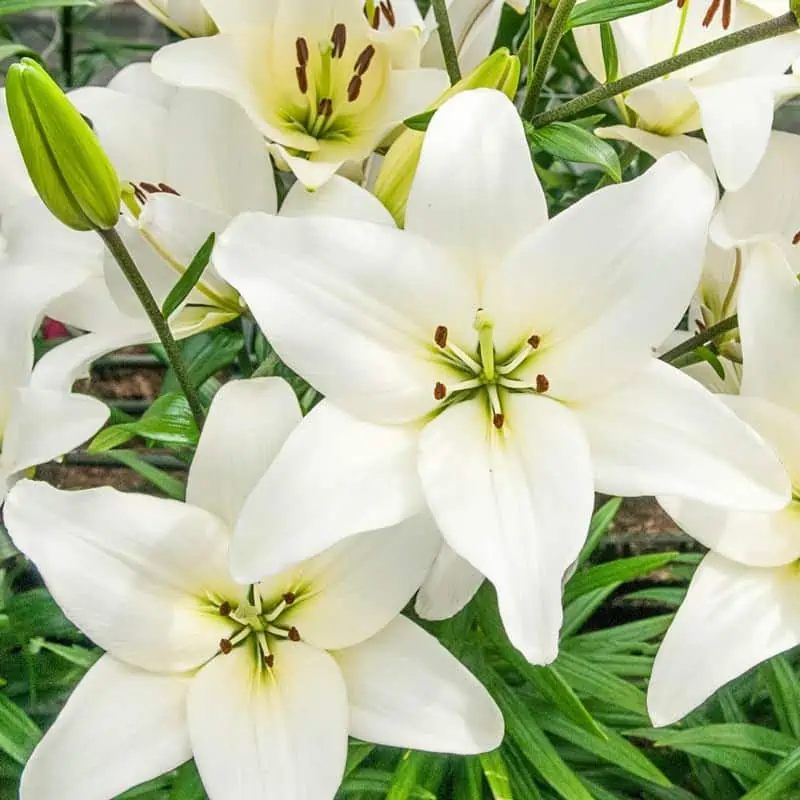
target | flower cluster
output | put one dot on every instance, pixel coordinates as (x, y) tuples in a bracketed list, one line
[(477, 367)]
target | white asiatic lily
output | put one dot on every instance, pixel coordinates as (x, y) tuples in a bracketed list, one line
[(317, 79), (260, 684), (743, 604), (185, 17), (490, 362), (732, 97)]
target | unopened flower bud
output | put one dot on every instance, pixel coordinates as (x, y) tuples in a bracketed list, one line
[(186, 17), (500, 71), (64, 159)]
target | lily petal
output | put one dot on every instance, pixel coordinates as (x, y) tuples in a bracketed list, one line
[(279, 732), (120, 727), (247, 425), (475, 192), (451, 583), (361, 584), (733, 618), (663, 433), (406, 690), (335, 476), (137, 589), (351, 306), (606, 281), (515, 503)]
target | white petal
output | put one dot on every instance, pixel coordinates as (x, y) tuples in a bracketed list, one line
[(658, 146), (246, 427), (515, 503), (351, 306), (604, 282), (769, 326), (410, 92), (737, 120), (475, 192), (120, 727), (479, 39), (665, 106), (357, 587), (262, 733), (406, 690), (138, 79), (733, 618), (216, 157), (242, 13), (336, 476), (663, 433), (46, 424), (451, 583), (131, 571), (315, 171), (339, 197)]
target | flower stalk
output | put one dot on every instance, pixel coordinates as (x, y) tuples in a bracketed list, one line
[(555, 32), (699, 339), (131, 272), (786, 23), (446, 38)]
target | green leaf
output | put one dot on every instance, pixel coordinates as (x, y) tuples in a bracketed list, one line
[(610, 55), (784, 691), (188, 785), (578, 611), (404, 782), (170, 486), (420, 122), (593, 12), (110, 438), (496, 773), (14, 49), (357, 753), (730, 735), (531, 740), (74, 654), (180, 291), (470, 780), (779, 784), (18, 6), (569, 142), (19, 734), (378, 782), (601, 522), (205, 355), (35, 614), (620, 637), (614, 572)]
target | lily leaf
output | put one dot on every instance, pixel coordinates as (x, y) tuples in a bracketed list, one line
[(180, 291), (594, 12)]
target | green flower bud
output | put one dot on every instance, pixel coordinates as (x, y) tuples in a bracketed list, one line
[(65, 161), (500, 71)]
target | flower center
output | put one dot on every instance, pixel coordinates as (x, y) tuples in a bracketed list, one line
[(257, 621), (336, 78), (483, 373)]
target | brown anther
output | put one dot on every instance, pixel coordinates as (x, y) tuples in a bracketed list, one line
[(294, 634), (302, 79), (440, 337), (711, 13), (499, 420), (681, 3), (165, 187), (139, 194), (150, 188), (339, 40), (796, 238), (439, 391), (301, 46), (535, 341), (388, 12), (225, 609), (542, 384), (376, 18), (364, 60), (354, 88), (727, 11), (225, 646), (325, 107), (269, 661), (290, 598)]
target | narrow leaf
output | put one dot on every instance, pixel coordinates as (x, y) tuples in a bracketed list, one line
[(780, 783), (19, 734), (594, 12), (170, 486), (180, 291)]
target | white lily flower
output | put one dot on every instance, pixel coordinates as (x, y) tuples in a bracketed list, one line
[(261, 684), (475, 24), (743, 603), (185, 17), (731, 97), (489, 362), (317, 79)]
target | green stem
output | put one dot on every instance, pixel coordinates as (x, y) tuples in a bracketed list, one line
[(131, 272), (555, 32), (446, 38), (755, 33), (699, 339)]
